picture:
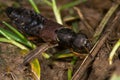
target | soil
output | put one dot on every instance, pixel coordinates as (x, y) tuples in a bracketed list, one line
[(95, 66)]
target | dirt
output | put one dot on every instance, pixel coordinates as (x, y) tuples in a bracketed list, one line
[(97, 68)]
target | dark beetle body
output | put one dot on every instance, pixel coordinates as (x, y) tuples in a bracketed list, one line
[(35, 24)]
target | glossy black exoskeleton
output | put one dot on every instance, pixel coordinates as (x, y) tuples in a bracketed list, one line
[(35, 24)]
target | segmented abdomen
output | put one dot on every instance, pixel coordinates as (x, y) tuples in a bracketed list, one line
[(33, 24), (26, 20)]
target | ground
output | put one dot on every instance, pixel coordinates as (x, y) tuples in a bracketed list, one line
[(95, 66)]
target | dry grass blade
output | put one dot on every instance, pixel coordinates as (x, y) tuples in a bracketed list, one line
[(104, 21), (88, 60), (34, 53), (88, 27)]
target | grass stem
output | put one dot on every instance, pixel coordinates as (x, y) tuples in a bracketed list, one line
[(56, 12), (34, 6)]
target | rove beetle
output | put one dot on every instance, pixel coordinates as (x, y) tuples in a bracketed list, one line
[(49, 31)]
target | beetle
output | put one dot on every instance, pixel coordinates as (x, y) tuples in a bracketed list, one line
[(35, 24)]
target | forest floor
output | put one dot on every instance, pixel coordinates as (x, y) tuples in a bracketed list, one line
[(94, 66)]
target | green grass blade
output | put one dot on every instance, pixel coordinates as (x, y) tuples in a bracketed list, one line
[(4, 40), (13, 29), (75, 27), (48, 2), (14, 43), (12, 36), (4, 34), (45, 55), (115, 76), (56, 12), (71, 4), (19, 36), (35, 67), (34, 6), (69, 73), (63, 55), (70, 70), (9, 35), (113, 52)]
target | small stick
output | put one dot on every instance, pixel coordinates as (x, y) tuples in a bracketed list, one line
[(88, 60), (104, 21), (34, 53), (12, 75), (88, 27)]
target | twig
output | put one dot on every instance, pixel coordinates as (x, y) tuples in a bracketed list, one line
[(104, 21), (12, 75), (88, 27), (34, 53), (88, 60)]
